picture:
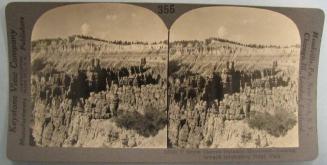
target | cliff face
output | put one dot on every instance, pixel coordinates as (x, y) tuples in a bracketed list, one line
[(237, 134), (83, 87), (135, 118), (221, 133), (83, 132), (231, 95), (206, 57), (76, 51)]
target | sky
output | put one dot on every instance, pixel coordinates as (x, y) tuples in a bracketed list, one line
[(242, 24), (102, 20), (112, 21)]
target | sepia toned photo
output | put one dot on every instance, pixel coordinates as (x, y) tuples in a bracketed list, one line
[(99, 77), (161, 82), (233, 79)]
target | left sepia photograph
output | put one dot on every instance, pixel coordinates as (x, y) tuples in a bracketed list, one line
[(99, 77)]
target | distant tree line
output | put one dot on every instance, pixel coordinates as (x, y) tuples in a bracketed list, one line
[(72, 38), (207, 41), (184, 43)]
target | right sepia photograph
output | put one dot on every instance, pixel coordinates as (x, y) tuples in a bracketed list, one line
[(233, 79)]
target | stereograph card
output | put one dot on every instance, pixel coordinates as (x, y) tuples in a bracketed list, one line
[(152, 82)]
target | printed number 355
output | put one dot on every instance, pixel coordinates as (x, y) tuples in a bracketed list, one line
[(166, 9)]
